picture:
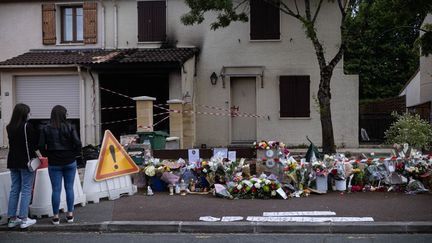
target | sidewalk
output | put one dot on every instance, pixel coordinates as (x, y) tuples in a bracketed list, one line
[(161, 213), (392, 213)]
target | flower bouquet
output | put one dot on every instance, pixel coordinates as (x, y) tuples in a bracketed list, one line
[(255, 188), (416, 171), (319, 168)]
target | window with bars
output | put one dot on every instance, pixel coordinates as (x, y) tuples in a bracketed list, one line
[(294, 96), (264, 21)]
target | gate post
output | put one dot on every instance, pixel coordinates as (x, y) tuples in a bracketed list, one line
[(176, 119), (144, 113)]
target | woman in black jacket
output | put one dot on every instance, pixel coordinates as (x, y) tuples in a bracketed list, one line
[(22, 178), (59, 142)]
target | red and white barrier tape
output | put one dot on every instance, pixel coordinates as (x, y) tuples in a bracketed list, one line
[(374, 160), (112, 122), (240, 114), (118, 107), (157, 123), (117, 93)]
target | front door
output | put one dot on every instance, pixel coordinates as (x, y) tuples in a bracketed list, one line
[(243, 106)]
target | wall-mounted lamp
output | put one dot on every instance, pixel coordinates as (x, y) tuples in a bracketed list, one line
[(213, 78)]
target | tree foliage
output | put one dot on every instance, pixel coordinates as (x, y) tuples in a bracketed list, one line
[(411, 129), (425, 41), (383, 52)]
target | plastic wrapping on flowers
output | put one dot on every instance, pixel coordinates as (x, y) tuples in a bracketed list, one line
[(254, 188)]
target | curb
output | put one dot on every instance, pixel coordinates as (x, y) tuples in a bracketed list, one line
[(238, 227)]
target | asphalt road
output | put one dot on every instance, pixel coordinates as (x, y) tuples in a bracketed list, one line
[(35, 237)]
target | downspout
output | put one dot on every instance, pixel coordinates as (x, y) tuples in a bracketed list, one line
[(95, 127), (115, 25), (82, 106), (103, 24)]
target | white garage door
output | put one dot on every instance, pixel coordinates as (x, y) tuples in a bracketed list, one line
[(41, 93)]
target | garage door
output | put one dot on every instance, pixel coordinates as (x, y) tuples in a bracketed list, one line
[(41, 93)]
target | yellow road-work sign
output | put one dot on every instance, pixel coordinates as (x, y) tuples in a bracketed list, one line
[(113, 160)]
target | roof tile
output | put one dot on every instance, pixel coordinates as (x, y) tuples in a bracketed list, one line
[(98, 56)]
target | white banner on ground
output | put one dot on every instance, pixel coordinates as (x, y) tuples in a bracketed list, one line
[(299, 213), (309, 219), (231, 218)]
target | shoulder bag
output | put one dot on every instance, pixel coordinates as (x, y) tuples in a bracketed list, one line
[(33, 163)]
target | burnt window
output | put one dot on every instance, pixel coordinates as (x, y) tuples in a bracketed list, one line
[(151, 21), (264, 20), (72, 25), (294, 96)]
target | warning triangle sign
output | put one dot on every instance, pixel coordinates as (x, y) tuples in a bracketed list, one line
[(113, 160)]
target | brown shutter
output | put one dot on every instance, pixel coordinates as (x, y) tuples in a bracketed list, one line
[(159, 23), (90, 22), (151, 21), (264, 21), (48, 24), (294, 96)]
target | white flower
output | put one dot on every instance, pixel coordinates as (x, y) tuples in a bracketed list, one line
[(257, 185), (326, 156), (239, 186), (273, 193), (150, 170), (205, 170), (267, 182)]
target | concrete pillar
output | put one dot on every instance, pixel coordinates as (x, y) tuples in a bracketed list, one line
[(176, 120), (188, 126), (144, 112)]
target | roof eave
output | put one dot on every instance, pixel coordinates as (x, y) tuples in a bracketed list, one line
[(38, 66)]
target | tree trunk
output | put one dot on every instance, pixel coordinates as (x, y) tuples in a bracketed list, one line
[(324, 97)]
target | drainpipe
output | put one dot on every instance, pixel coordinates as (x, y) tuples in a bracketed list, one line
[(82, 106), (115, 25), (103, 24)]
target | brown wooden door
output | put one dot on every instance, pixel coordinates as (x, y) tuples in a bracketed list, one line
[(243, 98)]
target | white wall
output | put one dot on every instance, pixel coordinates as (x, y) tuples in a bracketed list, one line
[(412, 91), (426, 73)]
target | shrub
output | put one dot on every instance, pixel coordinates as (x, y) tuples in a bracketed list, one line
[(411, 129)]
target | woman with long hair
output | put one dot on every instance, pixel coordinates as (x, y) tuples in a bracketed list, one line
[(22, 179), (59, 142)]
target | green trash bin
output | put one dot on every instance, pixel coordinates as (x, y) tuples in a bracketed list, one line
[(156, 138)]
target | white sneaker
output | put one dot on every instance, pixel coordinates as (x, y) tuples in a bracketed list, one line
[(70, 219), (14, 222), (26, 223)]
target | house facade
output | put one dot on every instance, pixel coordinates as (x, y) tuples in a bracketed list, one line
[(418, 89), (249, 81)]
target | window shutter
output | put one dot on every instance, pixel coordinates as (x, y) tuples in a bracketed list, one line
[(294, 96), (151, 21), (159, 17), (48, 24), (264, 21), (90, 22)]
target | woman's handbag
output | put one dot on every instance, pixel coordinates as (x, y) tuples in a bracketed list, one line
[(33, 163)]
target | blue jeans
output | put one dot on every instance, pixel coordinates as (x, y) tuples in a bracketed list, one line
[(56, 174), (22, 183)]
